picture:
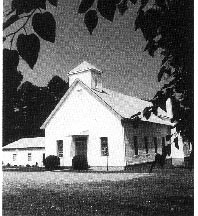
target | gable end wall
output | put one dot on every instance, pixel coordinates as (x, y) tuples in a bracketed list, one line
[(83, 114)]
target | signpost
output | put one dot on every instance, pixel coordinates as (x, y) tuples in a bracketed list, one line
[(107, 154)]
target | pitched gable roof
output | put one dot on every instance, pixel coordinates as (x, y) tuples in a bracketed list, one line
[(36, 142), (123, 106), (128, 106), (58, 106)]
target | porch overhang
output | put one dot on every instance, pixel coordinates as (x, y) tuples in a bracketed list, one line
[(79, 133)]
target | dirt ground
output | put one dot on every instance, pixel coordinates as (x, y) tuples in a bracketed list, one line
[(167, 192)]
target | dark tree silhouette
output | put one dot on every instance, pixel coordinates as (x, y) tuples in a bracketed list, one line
[(167, 25), (21, 106), (28, 108), (57, 88), (11, 80)]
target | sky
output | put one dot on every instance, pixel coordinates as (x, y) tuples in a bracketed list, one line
[(114, 47)]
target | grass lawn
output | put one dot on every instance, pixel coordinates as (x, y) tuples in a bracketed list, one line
[(167, 192)]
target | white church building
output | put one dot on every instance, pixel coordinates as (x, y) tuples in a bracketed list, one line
[(90, 119)]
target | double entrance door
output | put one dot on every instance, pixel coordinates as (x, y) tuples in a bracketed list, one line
[(81, 145)]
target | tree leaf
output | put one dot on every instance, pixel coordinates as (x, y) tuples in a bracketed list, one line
[(147, 112), (165, 59), (164, 70), (21, 6), (37, 4), (10, 21), (18, 6), (45, 26), (169, 71), (85, 5), (152, 19), (159, 99), (151, 47), (139, 19), (91, 20), (160, 3), (149, 23), (161, 73), (107, 8), (10, 12), (133, 1), (154, 110), (122, 6), (53, 2), (42, 4), (143, 3), (25, 6), (28, 47)]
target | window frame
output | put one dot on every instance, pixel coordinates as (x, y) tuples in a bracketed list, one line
[(104, 146), (146, 143), (135, 142), (29, 156), (163, 141), (43, 157), (155, 144), (59, 150), (163, 145), (14, 156)]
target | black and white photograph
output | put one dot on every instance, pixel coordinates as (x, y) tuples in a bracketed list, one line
[(98, 107)]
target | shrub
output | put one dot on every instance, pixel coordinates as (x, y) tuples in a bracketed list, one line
[(27, 165), (8, 165), (52, 162), (79, 162)]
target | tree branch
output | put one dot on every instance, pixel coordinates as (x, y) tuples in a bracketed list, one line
[(10, 12), (14, 19), (10, 21), (25, 30), (22, 27)]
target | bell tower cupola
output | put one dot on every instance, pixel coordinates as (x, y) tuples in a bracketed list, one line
[(88, 74)]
